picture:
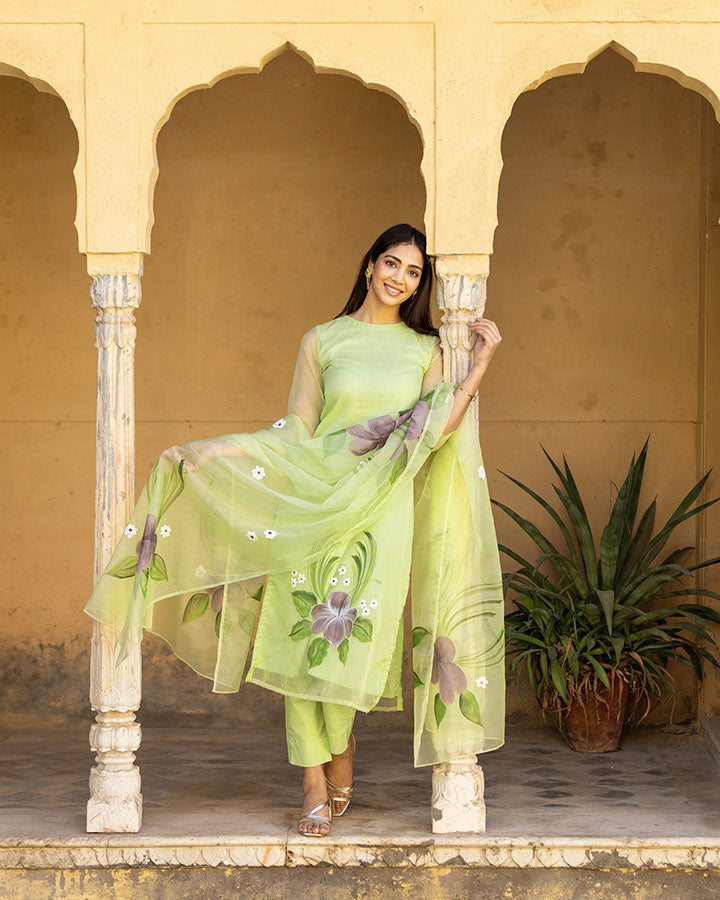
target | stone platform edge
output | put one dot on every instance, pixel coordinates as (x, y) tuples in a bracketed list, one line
[(457, 850)]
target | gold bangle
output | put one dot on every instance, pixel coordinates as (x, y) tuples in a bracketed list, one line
[(471, 396)]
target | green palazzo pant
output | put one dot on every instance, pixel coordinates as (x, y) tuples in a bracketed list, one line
[(316, 730)]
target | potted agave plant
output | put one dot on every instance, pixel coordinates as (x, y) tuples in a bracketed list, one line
[(604, 624)]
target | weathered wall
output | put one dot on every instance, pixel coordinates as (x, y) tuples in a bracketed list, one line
[(47, 413), (595, 283)]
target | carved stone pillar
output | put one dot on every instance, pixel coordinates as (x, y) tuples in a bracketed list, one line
[(115, 803), (458, 786), (461, 292)]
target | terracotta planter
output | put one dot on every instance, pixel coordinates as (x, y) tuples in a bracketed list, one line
[(595, 725)]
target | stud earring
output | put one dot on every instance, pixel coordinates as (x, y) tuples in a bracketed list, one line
[(368, 276)]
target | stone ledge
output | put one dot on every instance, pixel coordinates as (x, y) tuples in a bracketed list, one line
[(464, 851)]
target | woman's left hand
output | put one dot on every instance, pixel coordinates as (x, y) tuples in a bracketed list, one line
[(487, 339)]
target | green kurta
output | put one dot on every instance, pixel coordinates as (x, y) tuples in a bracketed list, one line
[(330, 505)]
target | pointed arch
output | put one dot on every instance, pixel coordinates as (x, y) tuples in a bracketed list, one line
[(405, 73)]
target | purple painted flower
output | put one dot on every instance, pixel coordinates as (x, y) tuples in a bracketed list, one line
[(216, 598), (334, 619), (417, 416), (145, 548), (377, 432), (451, 677)]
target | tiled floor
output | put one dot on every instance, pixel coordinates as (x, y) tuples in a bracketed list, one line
[(200, 783)]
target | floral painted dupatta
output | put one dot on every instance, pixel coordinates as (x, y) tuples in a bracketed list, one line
[(216, 517)]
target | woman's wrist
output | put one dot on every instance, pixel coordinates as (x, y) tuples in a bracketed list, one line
[(472, 380), (479, 366)]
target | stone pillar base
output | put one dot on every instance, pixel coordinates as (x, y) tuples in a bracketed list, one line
[(115, 805), (458, 797)]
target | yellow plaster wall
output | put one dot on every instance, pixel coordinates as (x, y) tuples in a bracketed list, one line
[(595, 284), (121, 68), (457, 66), (47, 412), (596, 281)]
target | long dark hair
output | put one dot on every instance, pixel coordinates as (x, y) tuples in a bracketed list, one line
[(415, 311)]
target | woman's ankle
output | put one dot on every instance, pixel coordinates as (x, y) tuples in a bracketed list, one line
[(313, 779)]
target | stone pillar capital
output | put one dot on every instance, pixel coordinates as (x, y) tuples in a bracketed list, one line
[(461, 289), (114, 263), (116, 296), (469, 265)]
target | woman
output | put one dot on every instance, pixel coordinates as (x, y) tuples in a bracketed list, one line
[(318, 518)]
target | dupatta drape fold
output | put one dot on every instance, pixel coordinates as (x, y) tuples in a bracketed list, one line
[(215, 517)]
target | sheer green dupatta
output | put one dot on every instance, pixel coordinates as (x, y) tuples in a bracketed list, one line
[(457, 606), (218, 515)]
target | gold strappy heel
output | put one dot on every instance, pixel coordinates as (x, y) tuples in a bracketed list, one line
[(312, 816), (337, 794)]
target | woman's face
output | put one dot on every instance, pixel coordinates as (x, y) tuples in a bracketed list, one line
[(396, 274)]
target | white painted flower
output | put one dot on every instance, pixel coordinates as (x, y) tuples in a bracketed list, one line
[(346, 581), (200, 572), (365, 611), (294, 573), (481, 471), (269, 533), (293, 582), (301, 578), (130, 531), (481, 682), (252, 535), (342, 570), (279, 424), (373, 603), (258, 472), (333, 581), (165, 531)]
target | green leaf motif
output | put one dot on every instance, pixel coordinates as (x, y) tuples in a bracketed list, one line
[(334, 441), (440, 709), (317, 651), (304, 602), (125, 568), (246, 620), (470, 707), (158, 569), (257, 595), (343, 650), (416, 680), (399, 465), (418, 635), (218, 620), (362, 630), (300, 630), (196, 607)]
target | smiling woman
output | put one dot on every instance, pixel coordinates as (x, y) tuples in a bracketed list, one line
[(304, 534)]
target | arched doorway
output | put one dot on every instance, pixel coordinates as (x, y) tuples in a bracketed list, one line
[(600, 271), (48, 411), (271, 188)]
